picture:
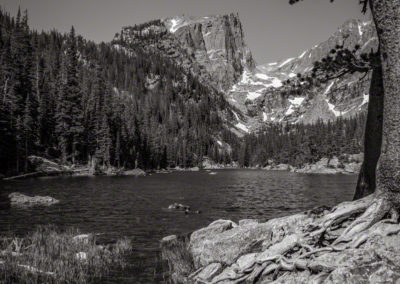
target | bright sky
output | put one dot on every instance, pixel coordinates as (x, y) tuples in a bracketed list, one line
[(273, 29)]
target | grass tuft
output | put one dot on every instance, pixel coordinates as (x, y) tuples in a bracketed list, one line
[(176, 256), (52, 256)]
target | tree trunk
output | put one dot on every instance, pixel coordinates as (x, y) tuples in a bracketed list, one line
[(373, 135), (73, 151), (26, 155), (386, 14)]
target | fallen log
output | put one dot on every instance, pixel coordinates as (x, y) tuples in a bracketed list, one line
[(34, 174)]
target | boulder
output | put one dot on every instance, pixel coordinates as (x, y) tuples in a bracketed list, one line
[(291, 278), (334, 162), (347, 258), (207, 273), (385, 247), (19, 199), (135, 172), (356, 158), (282, 167), (248, 221), (323, 162), (224, 242), (44, 165), (376, 272), (352, 167), (178, 206)]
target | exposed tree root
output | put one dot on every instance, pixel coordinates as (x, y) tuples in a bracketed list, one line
[(341, 212), (297, 252), (374, 213)]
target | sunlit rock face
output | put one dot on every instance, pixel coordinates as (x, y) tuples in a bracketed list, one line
[(216, 43), (211, 48)]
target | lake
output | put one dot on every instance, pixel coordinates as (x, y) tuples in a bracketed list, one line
[(136, 207)]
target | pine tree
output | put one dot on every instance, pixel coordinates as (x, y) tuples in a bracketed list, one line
[(73, 95)]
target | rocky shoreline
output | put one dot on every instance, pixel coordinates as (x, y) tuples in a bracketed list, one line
[(258, 252), (348, 164), (44, 167)]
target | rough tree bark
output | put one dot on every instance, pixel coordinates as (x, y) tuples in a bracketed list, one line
[(386, 14), (373, 135)]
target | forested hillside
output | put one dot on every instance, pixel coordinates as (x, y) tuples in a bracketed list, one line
[(124, 105), (298, 144), (66, 98)]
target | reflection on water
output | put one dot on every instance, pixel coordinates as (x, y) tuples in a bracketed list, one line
[(137, 207)]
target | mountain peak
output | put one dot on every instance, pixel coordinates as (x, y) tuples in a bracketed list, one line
[(174, 23), (211, 47)]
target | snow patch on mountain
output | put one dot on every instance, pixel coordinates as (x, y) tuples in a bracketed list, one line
[(365, 99), (265, 117), (175, 25), (243, 127), (360, 32), (253, 95), (236, 116), (297, 101), (289, 111), (332, 108), (262, 76), (329, 88), (285, 62)]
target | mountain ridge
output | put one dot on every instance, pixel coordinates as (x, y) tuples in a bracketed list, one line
[(213, 48)]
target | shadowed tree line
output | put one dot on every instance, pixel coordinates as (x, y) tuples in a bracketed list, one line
[(299, 144)]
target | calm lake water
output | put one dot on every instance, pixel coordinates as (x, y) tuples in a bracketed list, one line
[(136, 207)]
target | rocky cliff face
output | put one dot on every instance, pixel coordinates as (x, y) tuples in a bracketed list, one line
[(257, 94), (217, 44), (211, 48)]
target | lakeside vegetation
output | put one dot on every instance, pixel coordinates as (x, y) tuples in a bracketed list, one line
[(49, 255)]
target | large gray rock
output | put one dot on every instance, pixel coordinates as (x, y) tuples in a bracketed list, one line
[(135, 172), (291, 278), (385, 247), (376, 272), (248, 222), (356, 158), (224, 242), (334, 162), (207, 273), (352, 167), (281, 167), (19, 199)]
